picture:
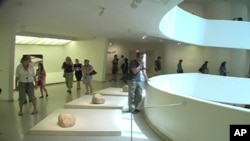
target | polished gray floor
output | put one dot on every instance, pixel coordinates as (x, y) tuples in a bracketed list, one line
[(15, 128)]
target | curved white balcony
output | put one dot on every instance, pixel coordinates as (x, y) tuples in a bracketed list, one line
[(183, 26), (199, 113)]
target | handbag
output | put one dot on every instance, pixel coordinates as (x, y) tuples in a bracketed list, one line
[(93, 73)]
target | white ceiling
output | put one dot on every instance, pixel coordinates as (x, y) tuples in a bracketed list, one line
[(80, 19)]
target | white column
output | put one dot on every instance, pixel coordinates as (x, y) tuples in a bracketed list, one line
[(7, 51)]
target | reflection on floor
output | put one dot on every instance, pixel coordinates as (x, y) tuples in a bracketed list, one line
[(15, 128)]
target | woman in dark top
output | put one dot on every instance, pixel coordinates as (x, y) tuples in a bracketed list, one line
[(41, 77), (124, 68), (78, 73), (114, 68), (68, 73), (223, 69), (204, 68), (179, 66)]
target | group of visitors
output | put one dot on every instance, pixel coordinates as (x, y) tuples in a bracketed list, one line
[(134, 73), (82, 72), (204, 68), (123, 67), (138, 78), (27, 79)]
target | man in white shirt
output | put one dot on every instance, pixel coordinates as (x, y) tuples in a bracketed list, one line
[(25, 82)]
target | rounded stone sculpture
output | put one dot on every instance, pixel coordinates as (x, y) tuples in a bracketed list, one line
[(125, 88), (66, 120), (98, 99)]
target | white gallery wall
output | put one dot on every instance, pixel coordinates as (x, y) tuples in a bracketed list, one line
[(54, 56), (194, 56), (93, 50)]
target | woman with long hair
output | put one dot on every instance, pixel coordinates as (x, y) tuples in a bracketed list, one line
[(41, 75), (67, 66)]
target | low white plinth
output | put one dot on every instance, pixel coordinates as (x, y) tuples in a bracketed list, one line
[(105, 122), (111, 102), (112, 91)]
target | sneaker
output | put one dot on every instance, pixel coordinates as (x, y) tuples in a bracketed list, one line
[(86, 92), (47, 95), (41, 96)]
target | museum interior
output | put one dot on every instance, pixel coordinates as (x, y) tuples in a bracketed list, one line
[(189, 106)]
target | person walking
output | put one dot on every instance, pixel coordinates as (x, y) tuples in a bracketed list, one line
[(78, 73), (25, 82), (223, 69), (41, 77), (67, 66), (124, 68), (115, 69), (204, 68), (179, 66), (137, 78), (87, 77), (157, 65)]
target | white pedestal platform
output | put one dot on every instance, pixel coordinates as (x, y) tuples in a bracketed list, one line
[(111, 102), (91, 122), (112, 91)]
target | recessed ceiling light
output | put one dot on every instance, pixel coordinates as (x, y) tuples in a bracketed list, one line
[(144, 36)]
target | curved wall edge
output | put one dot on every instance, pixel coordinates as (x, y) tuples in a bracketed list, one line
[(183, 26), (196, 120)]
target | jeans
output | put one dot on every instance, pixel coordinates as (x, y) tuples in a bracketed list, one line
[(135, 89)]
